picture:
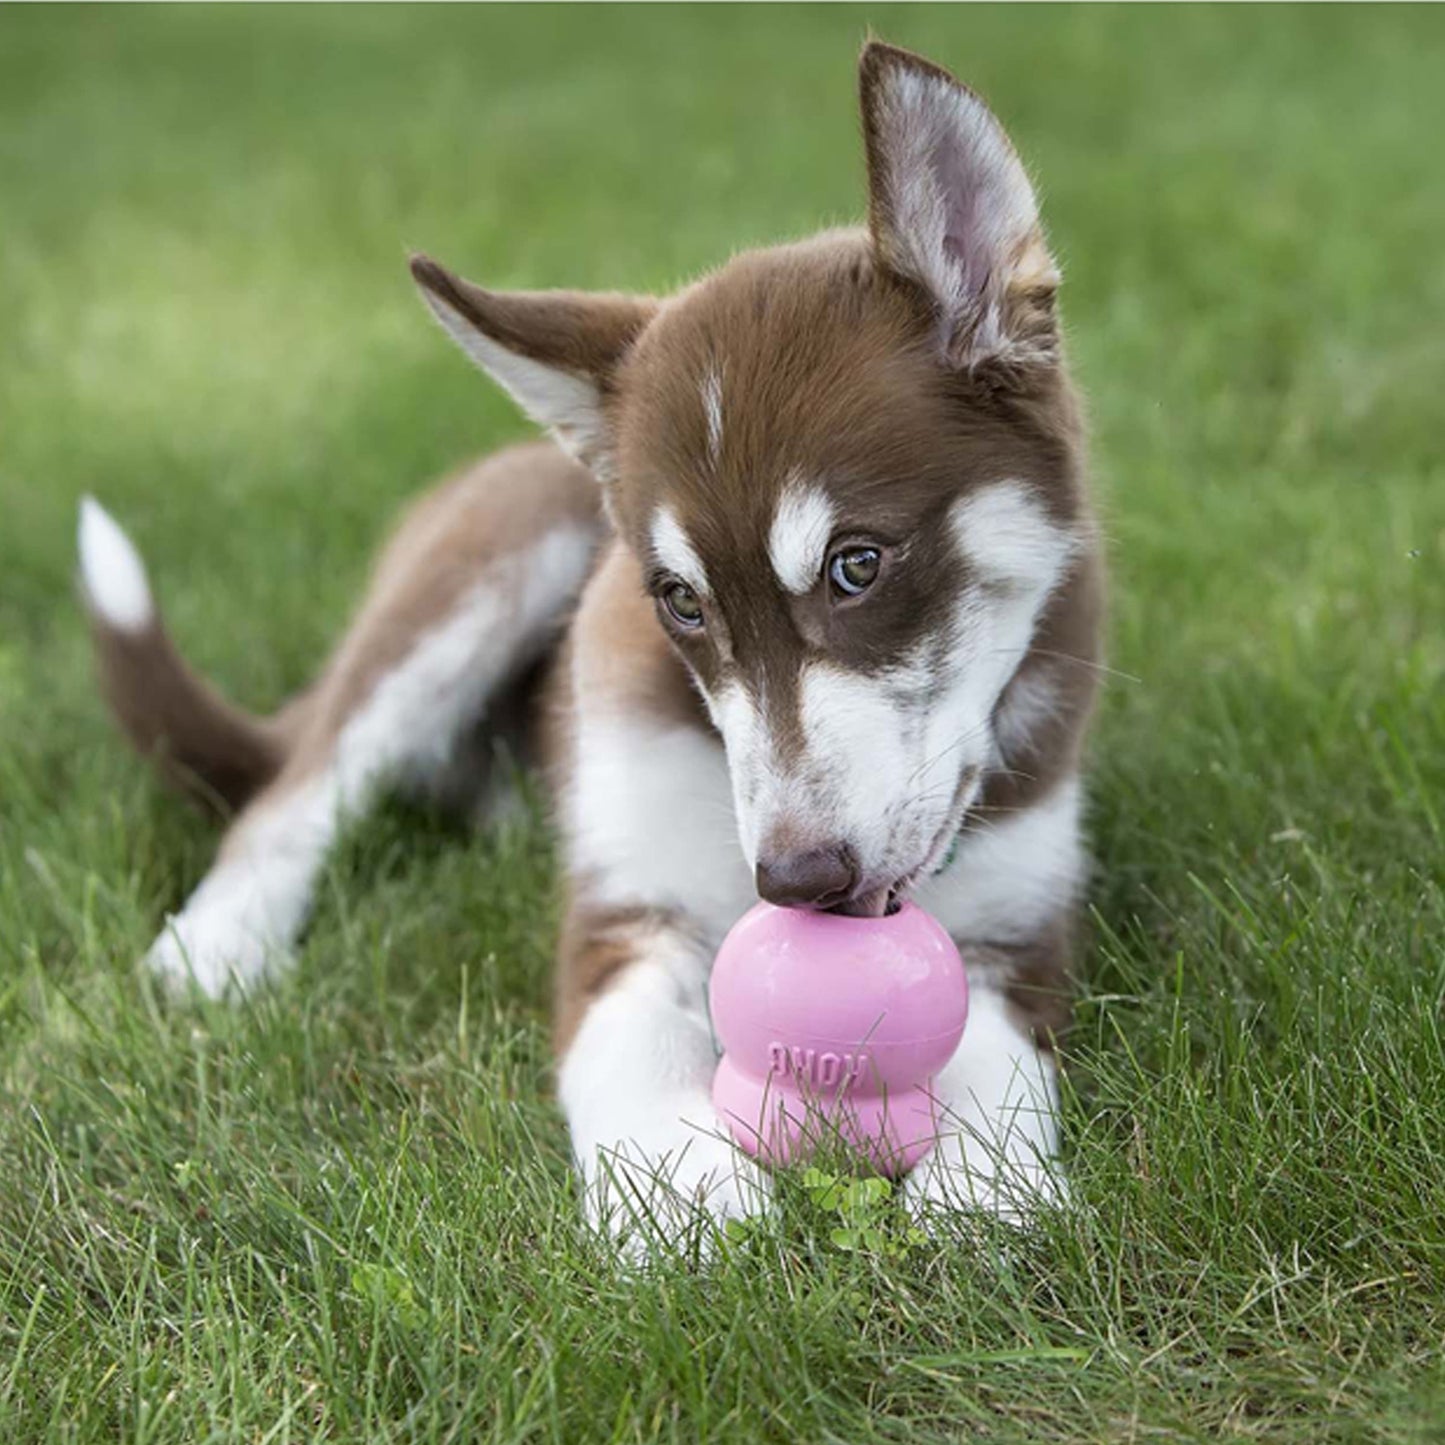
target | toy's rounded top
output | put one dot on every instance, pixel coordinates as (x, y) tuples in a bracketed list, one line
[(892, 987)]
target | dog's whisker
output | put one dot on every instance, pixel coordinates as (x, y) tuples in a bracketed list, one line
[(1089, 663)]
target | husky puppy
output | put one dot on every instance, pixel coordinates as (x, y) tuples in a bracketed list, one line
[(801, 601)]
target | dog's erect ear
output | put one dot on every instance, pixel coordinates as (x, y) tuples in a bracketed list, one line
[(555, 352), (951, 208)]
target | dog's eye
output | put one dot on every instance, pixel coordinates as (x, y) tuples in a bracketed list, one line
[(682, 604), (854, 569)]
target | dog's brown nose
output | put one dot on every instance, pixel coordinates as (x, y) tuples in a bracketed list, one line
[(819, 878)]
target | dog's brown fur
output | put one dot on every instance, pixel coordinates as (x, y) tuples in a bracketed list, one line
[(830, 373)]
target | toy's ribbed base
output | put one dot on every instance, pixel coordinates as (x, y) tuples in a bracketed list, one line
[(772, 1120)]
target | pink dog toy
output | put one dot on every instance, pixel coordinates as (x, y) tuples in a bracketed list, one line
[(833, 1027)]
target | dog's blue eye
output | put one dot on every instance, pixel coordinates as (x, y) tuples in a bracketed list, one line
[(854, 569)]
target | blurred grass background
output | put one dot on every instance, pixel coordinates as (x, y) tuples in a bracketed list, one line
[(342, 1209)]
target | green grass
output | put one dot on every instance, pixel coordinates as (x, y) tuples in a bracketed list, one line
[(342, 1209)]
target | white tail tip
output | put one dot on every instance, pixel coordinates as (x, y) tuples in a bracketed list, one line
[(111, 571)]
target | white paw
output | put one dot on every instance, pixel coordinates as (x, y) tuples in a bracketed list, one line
[(208, 949), (650, 1191), (967, 1176), (238, 925)]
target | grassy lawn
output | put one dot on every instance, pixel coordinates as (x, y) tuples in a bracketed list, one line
[(342, 1209)]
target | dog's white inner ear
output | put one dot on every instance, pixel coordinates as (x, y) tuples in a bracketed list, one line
[(554, 352), (951, 208)]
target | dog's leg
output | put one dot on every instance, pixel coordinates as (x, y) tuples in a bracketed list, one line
[(997, 1102), (252, 904), (465, 599), (657, 878), (1009, 900), (635, 1081)]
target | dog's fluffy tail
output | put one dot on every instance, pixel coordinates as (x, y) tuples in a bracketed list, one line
[(199, 741)]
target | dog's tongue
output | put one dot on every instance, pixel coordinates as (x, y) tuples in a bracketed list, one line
[(866, 905)]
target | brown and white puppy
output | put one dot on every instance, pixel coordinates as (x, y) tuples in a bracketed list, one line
[(816, 608)]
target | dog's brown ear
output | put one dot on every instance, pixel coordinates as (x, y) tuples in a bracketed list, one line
[(950, 207), (555, 352)]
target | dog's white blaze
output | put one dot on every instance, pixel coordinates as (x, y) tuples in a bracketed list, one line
[(635, 1086), (998, 1098), (673, 550), (111, 571), (798, 538), (250, 907), (1009, 539), (864, 743), (749, 760), (568, 404), (712, 410), (1009, 878)]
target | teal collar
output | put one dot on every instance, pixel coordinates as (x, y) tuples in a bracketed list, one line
[(952, 853)]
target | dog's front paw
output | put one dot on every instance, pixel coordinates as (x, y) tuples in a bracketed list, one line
[(212, 949), (238, 926), (652, 1188)]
